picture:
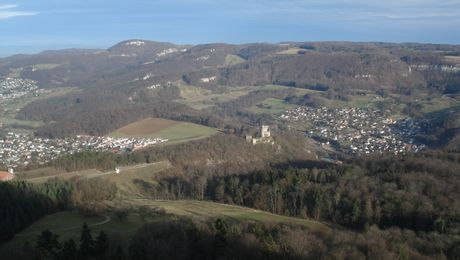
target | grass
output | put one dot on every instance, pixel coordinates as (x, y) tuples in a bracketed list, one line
[(271, 106), (146, 127), (174, 131), (363, 101), (204, 210), (290, 51), (300, 91), (15, 72), (45, 66), (144, 172), (440, 103), (452, 58), (38, 172), (185, 132), (9, 121), (64, 175), (68, 224), (199, 98), (440, 115), (128, 173), (233, 60)]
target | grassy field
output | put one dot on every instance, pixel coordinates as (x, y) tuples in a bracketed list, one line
[(184, 132), (144, 172), (9, 121), (233, 60), (68, 224), (452, 58), (175, 131), (290, 51), (15, 72), (271, 106), (146, 126), (45, 66), (61, 174), (440, 103), (204, 210), (200, 98), (123, 180)]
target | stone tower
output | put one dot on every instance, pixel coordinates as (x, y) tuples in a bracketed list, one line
[(265, 131)]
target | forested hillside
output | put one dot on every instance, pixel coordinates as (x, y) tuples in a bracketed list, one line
[(383, 207), (136, 79)]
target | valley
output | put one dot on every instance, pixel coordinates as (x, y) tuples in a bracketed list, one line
[(290, 151)]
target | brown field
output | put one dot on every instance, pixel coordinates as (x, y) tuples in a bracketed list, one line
[(453, 58), (146, 126)]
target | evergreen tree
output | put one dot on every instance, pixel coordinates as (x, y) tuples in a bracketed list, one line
[(101, 245), (69, 250), (220, 241), (119, 254), (86, 243), (47, 244), (356, 212)]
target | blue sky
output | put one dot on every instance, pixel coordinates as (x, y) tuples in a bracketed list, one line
[(28, 26)]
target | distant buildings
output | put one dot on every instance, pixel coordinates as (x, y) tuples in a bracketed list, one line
[(14, 88), (18, 149), (6, 176), (358, 130)]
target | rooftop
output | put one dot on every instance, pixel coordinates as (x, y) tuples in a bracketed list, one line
[(6, 176)]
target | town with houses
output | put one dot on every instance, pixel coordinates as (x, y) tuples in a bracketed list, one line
[(358, 130), (22, 149), (14, 88), (17, 150)]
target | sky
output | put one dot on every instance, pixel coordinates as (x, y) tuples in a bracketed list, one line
[(30, 26)]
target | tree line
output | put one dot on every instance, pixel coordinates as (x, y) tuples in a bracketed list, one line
[(48, 246), (23, 203)]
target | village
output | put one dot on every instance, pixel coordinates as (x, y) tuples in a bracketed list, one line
[(18, 150), (14, 88), (358, 130)]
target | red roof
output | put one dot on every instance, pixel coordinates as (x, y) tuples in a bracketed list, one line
[(6, 176)]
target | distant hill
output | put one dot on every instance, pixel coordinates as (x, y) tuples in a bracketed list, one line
[(139, 78)]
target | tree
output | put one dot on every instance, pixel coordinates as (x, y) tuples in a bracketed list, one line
[(47, 245), (119, 254), (86, 243), (356, 212), (220, 191), (69, 250), (220, 241), (121, 214), (199, 185), (101, 246)]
